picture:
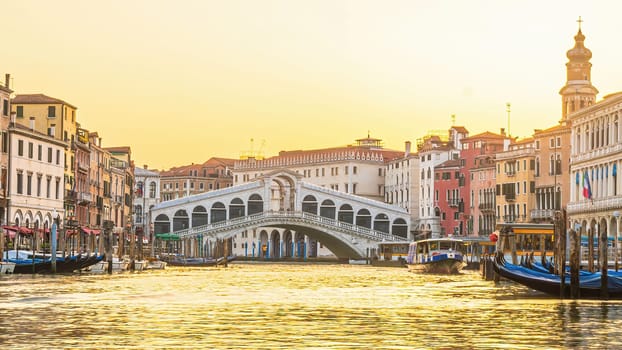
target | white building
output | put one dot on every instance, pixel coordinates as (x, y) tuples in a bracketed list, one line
[(36, 178), (357, 169), (401, 187), (146, 195), (433, 150)]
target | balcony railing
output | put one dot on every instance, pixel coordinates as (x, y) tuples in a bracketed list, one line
[(486, 206), (595, 205), (538, 214), (453, 202), (85, 197)]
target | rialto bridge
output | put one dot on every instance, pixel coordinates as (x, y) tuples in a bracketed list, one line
[(277, 215)]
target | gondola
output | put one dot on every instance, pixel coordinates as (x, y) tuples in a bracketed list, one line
[(589, 283)]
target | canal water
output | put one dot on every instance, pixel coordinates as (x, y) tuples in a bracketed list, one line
[(294, 306)]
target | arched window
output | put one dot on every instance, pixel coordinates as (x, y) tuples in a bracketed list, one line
[(399, 228), (363, 218), (218, 212), (327, 209), (381, 223), (309, 204), (346, 214), (255, 204), (138, 213), (199, 216), (236, 208), (161, 224), (180, 220)]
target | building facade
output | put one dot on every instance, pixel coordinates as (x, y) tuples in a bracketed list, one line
[(483, 182), (473, 149), (402, 184), (36, 179), (5, 118), (54, 117), (433, 149), (146, 195), (515, 187)]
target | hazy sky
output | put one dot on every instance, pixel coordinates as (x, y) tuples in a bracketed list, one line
[(182, 81)]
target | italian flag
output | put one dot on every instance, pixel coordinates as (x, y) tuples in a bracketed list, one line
[(587, 190)]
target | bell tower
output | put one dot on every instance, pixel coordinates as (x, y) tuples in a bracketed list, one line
[(578, 92)]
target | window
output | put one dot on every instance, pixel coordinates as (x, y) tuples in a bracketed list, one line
[(47, 186), (5, 107), (20, 147), (39, 152), (57, 188), (20, 111), (29, 184), (51, 111), (5, 142), (57, 157), (20, 182), (39, 185), (354, 170)]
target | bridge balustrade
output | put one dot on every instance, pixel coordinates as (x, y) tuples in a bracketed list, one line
[(232, 224)]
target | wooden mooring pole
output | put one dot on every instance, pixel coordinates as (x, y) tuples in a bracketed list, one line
[(604, 265), (575, 260), (561, 227)]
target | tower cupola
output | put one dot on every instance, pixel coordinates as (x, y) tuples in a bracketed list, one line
[(578, 92)]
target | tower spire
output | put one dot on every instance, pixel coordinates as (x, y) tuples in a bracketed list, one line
[(579, 21), (578, 92)]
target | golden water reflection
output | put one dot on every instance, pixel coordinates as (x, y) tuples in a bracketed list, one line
[(285, 306)]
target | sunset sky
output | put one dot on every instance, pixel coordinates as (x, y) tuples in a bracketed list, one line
[(182, 81)]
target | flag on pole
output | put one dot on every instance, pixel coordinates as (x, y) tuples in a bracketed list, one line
[(587, 189)]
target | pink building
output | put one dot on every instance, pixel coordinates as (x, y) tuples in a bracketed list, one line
[(473, 148), (447, 197), (483, 195)]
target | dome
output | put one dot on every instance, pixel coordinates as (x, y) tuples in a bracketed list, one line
[(579, 52)]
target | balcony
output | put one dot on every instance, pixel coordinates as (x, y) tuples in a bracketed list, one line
[(510, 197), (542, 214), (595, 205), (85, 198), (510, 173), (453, 202), (486, 207)]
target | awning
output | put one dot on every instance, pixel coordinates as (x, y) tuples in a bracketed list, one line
[(167, 236), (20, 229)]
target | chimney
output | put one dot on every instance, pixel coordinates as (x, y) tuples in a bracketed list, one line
[(32, 123), (502, 131), (145, 167), (7, 79), (406, 149)]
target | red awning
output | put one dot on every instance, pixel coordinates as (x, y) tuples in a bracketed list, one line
[(20, 229), (70, 232), (95, 232)]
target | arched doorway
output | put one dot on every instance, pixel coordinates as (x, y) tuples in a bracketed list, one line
[(275, 245), (161, 224), (299, 246), (288, 244), (263, 244)]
